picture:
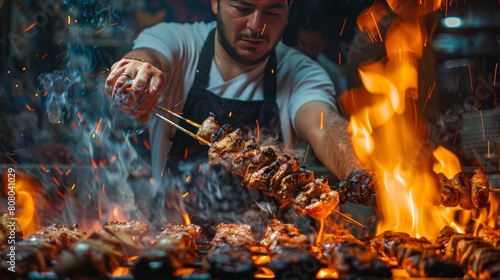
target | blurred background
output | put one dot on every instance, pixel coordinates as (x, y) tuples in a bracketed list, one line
[(55, 56)]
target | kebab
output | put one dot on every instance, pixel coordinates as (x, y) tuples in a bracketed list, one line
[(170, 251), (103, 251), (278, 176)]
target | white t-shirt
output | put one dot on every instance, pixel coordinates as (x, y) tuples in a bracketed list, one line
[(299, 80)]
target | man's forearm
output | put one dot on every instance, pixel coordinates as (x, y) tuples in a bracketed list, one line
[(337, 152)]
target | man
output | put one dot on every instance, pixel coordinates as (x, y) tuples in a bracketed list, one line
[(237, 68)]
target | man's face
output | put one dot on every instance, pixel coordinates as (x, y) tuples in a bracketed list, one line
[(249, 29)]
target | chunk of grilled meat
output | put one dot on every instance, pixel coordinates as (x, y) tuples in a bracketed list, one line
[(220, 152), (8, 225), (290, 186), (243, 159), (171, 250), (427, 260), (129, 233), (102, 251), (29, 256), (207, 128), (444, 236), (484, 264), (261, 160), (352, 257), (264, 178), (279, 235), (94, 257), (223, 131), (235, 235), (316, 199), (480, 188), (461, 182), (387, 244), (490, 235), (230, 262), (358, 187)]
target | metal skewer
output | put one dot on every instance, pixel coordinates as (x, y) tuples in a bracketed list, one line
[(163, 118), (178, 116)]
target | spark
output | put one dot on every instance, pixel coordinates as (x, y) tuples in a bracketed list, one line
[(73, 186), (151, 181), (100, 30), (58, 55), (69, 19), (188, 179), (378, 30), (56, 167), (94, 164), (321, 120), (10, 158), (46, 93), (79, 115), (343, 26), (306, 153), (185, 194), (19, 150), (67, 172), (29, 107), (340, 58), (146, 144), (24, 68), (54, 179), (59, 193), (113, 158), (134, 138), (68, 79), (45, 55), (44, 169), (98, 126), (186, 152), (179, 103), (230, 114), (30, 27), (257, 125), (263, 29)]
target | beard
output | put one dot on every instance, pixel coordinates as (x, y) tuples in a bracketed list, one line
[(231, 50)]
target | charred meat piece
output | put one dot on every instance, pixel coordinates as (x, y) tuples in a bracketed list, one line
[(235, 235), (214, 153), (262, 179), (227, 155), (484, 264), (223, 131), (279, 235), (388, 243), (352, 257), (261, 160), (9, 224), (461, 182), (490, 235), (172, 250), (447, 191), (480, 188), (29, 256), (451, 248), (316, 199), (285, 262), (243, 159), (291, 185), (465, 247), (287, 168), (170, 229), (230, 262), (129, 233), (61, 236), (358, 187), (92, 257), (427, 260), (207, 128), (444, 236)]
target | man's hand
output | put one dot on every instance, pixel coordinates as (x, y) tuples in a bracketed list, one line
[(358, 187), (134, 86)]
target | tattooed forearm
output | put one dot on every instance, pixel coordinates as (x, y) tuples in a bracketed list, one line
[(338, 153)]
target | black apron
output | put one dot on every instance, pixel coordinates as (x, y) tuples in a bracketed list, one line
[(214, 194)]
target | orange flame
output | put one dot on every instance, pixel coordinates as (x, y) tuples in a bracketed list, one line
[(387, 131), (25, 191)]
